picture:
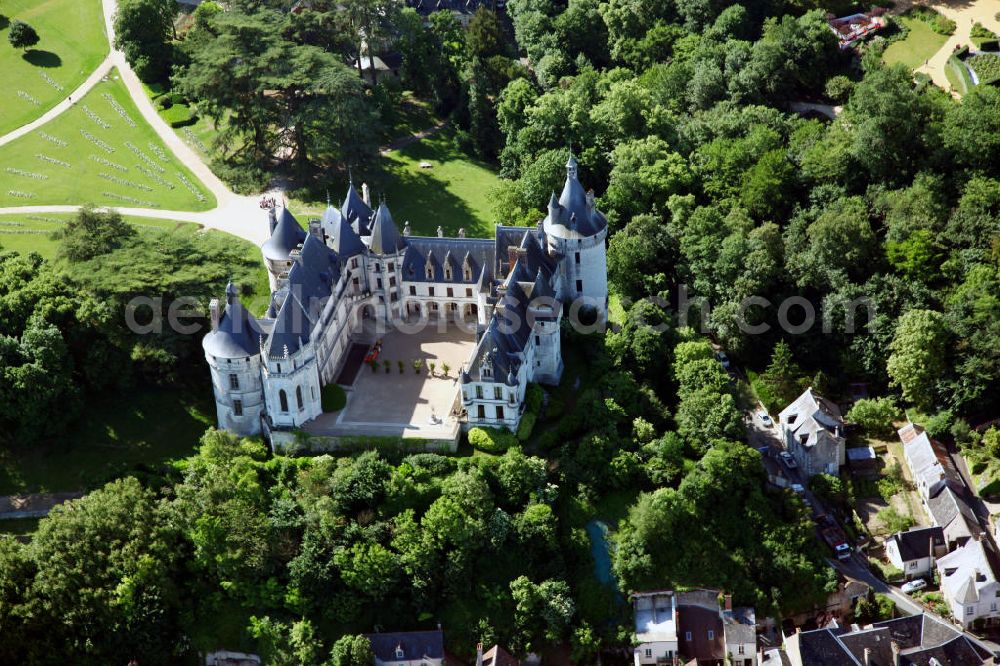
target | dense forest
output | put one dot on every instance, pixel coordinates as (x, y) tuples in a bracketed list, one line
[(677, 112)]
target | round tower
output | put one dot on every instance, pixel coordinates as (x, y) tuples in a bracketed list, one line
[(577, 232), (232, 350)]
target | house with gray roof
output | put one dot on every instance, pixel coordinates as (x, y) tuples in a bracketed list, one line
[(408, 648), (813, 432), (969, 582), (354, 267), (942, 489), (914, 552)]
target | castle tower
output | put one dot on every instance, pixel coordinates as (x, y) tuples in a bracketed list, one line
[(232, 349), (286, 235), (577, 231)]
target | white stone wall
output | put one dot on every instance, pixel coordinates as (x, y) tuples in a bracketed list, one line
[(249, 393), (298, 371), (584, 270), (548, 364)]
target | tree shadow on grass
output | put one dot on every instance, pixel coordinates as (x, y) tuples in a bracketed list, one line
[(42, 58), (4, 22)]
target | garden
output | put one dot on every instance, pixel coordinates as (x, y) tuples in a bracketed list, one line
[(986, 67), (922, 40), (71, 44), (100, 151)]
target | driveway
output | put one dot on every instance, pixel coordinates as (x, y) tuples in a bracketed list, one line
[(964, 14)]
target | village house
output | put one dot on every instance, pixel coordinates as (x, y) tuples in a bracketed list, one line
[(408, 648), (813, 432), (691, 627), (941, 488), (915, 551), (969, 583)]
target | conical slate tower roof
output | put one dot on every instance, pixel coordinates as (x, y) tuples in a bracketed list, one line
[(385, 236), (355, 208), (288, 234), (346, 242), (238, 334)]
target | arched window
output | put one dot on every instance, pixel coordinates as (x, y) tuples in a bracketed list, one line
[(298, 396), (284, 400)]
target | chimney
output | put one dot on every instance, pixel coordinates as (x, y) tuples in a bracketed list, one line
[(868, 657), (440, 231), (366, 195), (479, 654), (215, 313), (406, 229), (729, 602), (272, 218), (511, 256)]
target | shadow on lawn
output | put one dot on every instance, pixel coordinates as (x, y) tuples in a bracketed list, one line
[(422, 197), (42, 58)]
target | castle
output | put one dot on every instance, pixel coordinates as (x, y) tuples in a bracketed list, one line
[(353, 268)]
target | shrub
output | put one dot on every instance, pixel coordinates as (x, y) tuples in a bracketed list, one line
[(526, 426), (491, 440), (332, 398), (533, 398), (885, 571), (164, 102), (986, 66), (892, 483), (893, 521)]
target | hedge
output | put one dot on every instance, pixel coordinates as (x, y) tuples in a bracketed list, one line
[(526, 426), (332, 398), (492, 440)]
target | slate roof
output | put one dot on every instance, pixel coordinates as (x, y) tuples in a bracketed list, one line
[(497, 656), (356, 211), (287, 235), (310, 283), (916, 544), (345, 241), (948, 506), (415, 645), (573, 215), (479, 252), (876, 640), (385, 237), (654, 616), (972, 567), (238, 334), (923, 637), (823, 647), (815, 418), (740, 626)]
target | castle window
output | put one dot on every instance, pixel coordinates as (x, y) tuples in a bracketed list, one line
[(430, 291), (234, 382), (579, 285), (577, 258), (283, 398), (479, 392), (467, 272), (279, 368), (298, 396), (413, 290), (481, 411), (392, 280), (451, 292), (429, 271), (354, 262), (393, 297), (237, 408), (500, 412), (497, 393), (392, 267), (468, 293), (378, 283), (538, 340)]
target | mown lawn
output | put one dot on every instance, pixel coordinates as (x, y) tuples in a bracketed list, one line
[(127, 433), (920, 44), (197, 131), (102, 152), (32, 232), (71, 44), (454, 192)]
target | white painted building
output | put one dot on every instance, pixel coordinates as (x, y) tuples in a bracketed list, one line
[(914, 552), (354, 268), (969, 583), (813, 432)]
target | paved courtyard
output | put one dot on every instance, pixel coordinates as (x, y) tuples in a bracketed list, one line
[(407, 404)]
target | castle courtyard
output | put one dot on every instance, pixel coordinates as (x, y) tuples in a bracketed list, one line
[(407, 404)]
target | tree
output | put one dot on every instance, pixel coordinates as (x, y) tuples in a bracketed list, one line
[(143, 29), (972, 129), (641, 258), (542, 612), (92, 233), (21, 35), (783, 373), (875, 415), (919, 356), (352, 651)]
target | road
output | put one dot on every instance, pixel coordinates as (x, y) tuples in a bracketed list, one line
[(233, 214), (759, 435), (964, 14)]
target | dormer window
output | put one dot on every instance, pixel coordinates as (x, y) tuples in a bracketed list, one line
[(792, 417), (399, 652), (467, 273)]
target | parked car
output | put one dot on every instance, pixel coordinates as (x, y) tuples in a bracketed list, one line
[(788, 459), (912, 586), (798, 488), (723, 359), (765, 419)]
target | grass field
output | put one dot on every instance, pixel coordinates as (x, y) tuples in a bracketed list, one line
[(920, 44), (199, 132), (102, 152), (71, 44), (25, 232), (135, 430)]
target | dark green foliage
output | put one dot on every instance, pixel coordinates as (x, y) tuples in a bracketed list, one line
[(491, 440), (21, 35), (143, 29), (333, 398), (92, 234)]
